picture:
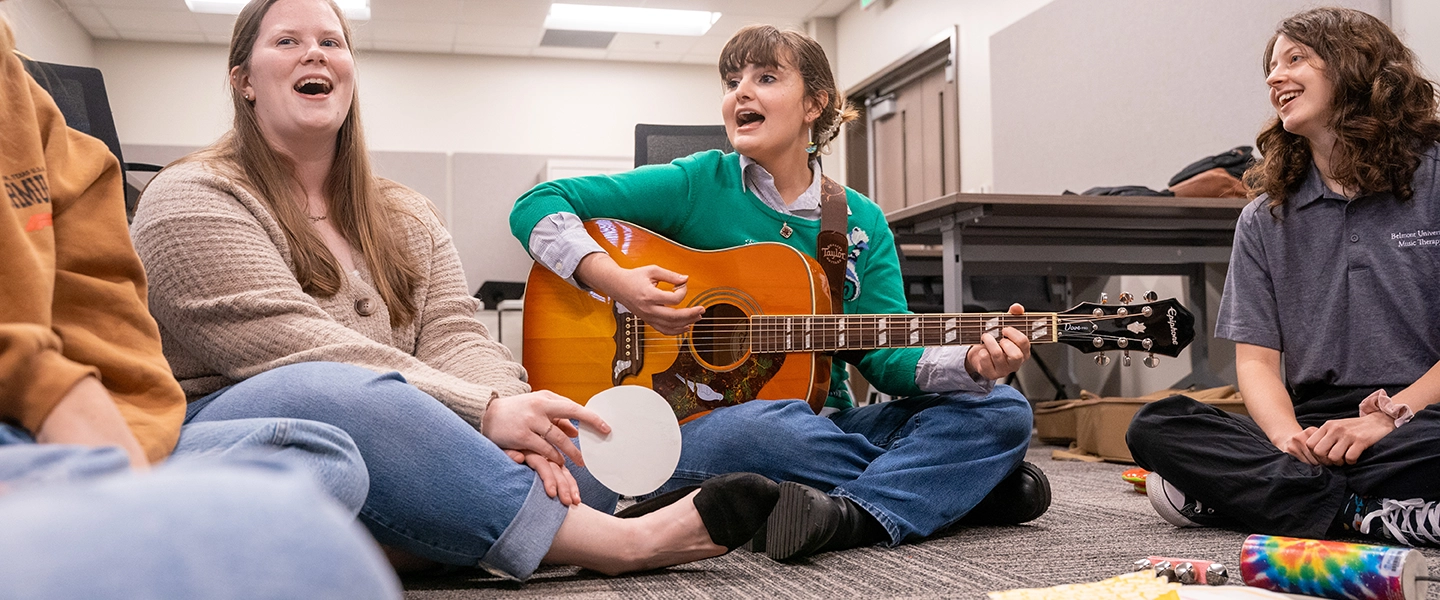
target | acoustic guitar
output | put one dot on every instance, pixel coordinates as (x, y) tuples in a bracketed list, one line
[(768, 331)]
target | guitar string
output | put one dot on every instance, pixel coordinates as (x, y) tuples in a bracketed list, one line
[(742, 345), (746, 326)]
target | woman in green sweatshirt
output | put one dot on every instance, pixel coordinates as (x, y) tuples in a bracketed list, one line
[(854, 475)]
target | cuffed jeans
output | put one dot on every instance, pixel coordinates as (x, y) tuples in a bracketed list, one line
[(916, 464), (438, 489), (77, 523)]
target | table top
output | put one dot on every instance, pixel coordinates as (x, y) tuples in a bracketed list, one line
[(1071, 219)]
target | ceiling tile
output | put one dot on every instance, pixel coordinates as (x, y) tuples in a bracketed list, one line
[(529, 13), (832, 8), (154, 21), (501, 27), (421, 32), (471, 34), (216, 24), (640, 42), (93, 21), (145, 4), (416, 10)]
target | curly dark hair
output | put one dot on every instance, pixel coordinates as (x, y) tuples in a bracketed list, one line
[(1384, 115)]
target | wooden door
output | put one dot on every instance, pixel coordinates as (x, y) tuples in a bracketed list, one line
[(916, 146)]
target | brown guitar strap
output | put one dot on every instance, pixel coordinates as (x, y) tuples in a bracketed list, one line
[(832, 246)]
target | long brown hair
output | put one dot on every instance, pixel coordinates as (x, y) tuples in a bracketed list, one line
[(355, 206), (1384, 115), (766, 46)]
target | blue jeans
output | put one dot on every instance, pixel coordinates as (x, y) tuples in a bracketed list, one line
[(438, 489), (78, 524), (917, 464)]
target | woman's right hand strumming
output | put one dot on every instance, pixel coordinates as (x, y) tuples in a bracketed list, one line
[(639, 291)]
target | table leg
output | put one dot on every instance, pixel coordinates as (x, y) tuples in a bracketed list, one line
[(1200, 376), (951, 267)]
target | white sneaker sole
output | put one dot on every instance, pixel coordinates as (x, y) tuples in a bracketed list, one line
[(1166, 500)]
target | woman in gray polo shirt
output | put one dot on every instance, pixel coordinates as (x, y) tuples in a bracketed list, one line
[(1336, 270)]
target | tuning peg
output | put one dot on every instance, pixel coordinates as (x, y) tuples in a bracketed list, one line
[(1124, 358), (1147, 343), (1122, 342), (1098, 341), (1151, 296), (1104, 298), (1122, 311), (1102, 360), (1125, 297), (1151, 361)]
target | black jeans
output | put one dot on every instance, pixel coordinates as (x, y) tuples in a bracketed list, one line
[(1226, 462)]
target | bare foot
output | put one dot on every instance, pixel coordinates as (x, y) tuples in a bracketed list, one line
[(674, 535)]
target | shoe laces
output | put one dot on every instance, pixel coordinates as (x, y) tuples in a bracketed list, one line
[(1415, 518)]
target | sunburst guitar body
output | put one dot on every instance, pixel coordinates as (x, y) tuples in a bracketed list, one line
[(768, 329)]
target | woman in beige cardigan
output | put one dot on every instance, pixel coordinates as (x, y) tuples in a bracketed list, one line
[(289, 281)]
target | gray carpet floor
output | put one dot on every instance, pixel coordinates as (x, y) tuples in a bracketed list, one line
[(1096, 527)]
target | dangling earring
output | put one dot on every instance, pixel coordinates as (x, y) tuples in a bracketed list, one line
[(811, 147)]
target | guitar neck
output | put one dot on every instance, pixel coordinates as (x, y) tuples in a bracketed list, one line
[(829, 333)]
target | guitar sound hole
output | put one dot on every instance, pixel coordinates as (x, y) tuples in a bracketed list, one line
[(720, 338)]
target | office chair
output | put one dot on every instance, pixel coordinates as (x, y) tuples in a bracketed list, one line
[(80, 94), (660, 144)]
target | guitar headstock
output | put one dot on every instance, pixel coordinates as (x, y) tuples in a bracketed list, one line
[(1161, 327)]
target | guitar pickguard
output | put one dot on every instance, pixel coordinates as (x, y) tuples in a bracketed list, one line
[(691, 388)]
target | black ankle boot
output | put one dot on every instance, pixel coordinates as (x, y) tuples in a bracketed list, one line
[(807, 521), (1020, 497), (732, 506)]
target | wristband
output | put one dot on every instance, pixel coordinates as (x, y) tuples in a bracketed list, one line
[(1380, 402)]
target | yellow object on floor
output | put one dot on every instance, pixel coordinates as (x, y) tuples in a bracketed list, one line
[(1140, 585)]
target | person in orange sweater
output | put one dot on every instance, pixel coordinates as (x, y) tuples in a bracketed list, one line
[(88, 405)]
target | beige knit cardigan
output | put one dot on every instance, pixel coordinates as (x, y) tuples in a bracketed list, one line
[(223, 288)]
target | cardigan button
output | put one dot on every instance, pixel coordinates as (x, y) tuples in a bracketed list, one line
[(364, 307)]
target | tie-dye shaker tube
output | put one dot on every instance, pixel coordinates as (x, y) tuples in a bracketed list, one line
[(1337, 570)]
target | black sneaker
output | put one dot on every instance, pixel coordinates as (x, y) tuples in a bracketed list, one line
[(1021, 497), (1413, 522), (1178, 509)]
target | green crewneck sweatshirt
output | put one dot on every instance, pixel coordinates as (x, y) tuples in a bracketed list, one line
[(698, 201)]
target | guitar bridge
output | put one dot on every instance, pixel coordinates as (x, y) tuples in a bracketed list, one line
[(629, 344)]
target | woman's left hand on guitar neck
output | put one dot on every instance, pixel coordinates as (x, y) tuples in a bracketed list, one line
[(994, 359), (639, 291)]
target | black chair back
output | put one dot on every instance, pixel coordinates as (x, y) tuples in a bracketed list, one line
[(80, 94), (660, 144)]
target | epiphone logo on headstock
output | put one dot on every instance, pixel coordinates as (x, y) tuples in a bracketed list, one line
[(1174, 330)]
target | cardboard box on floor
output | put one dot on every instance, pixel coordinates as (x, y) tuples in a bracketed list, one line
[(1095, 427)]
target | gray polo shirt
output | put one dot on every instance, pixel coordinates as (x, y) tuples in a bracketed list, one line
[(1348, 291)]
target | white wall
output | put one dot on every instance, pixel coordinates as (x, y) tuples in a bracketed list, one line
[(174, 94), (1418, 23), (44, 31), (1128, 92), (871, 39)]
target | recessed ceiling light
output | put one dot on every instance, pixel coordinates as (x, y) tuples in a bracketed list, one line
[(355, 10), (624, 19)]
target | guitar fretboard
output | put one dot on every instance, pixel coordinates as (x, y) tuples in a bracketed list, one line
[(828, 333)]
